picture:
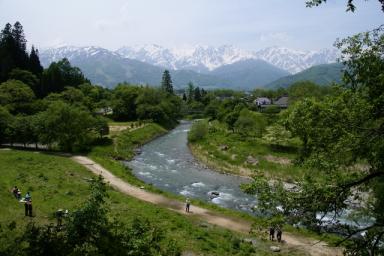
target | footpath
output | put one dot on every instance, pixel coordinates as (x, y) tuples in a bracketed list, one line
[(313, 247)]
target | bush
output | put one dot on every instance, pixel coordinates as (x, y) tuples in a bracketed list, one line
[(198, 131)]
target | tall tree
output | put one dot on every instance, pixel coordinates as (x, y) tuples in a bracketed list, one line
[(34, 62), (59, 75), (20, 54), (190, 92), (197, 94), (166, 82), (7, 47)]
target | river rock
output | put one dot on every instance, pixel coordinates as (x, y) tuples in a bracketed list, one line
[(251, 160), (204, 225), (224, 147), (275, 248), (214, 194), (250, 241)]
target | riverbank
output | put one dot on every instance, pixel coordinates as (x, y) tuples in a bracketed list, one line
[(125, 174), (228, 152), (122, 146), (58, 182)]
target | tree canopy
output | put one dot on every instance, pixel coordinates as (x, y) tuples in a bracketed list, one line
[(350, 4), (343, 140)]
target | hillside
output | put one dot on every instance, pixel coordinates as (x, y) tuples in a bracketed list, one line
[(321, 74), (248, 74)]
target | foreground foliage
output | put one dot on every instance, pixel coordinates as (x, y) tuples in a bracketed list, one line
[(88, 231), (343, 141)]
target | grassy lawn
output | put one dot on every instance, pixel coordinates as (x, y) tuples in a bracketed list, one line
[(275, 163), (57, 182)]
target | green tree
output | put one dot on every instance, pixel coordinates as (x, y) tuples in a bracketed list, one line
[(166, 82), (350, 4), (26, 77), (250, 123), (197, 94), (190, 92), (67, 126), (20, 54), (230, 119), (60, 75), (124, 102), (16, 96), (5, 121), (339, 133), (34, 64), (198, 131), (7, 46), (306, 89)]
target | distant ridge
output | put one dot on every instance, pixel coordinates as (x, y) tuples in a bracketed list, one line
[(324, 74)]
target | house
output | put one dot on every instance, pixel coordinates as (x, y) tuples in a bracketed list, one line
[(262, 101)]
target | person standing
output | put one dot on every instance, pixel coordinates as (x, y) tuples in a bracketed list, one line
[(279, 234), (272, 233), (187, 204), (28, 205)]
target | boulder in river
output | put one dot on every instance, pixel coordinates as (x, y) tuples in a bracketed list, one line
[(275, 248), (251, 160), (213, 194)]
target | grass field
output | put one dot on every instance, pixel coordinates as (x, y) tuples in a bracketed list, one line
[(275, 163), (57, 182)]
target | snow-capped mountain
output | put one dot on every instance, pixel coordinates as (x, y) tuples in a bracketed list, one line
[(72, 52), (295, 61), (208, 58), (206, 66), (199, 58)]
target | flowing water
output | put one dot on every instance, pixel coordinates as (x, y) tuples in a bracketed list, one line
[(168, 164)]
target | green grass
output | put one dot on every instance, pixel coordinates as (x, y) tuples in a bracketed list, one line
[(58, 182), (121, 147), (238, 151)]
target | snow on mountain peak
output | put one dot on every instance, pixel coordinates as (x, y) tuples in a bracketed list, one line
[(202, 58)]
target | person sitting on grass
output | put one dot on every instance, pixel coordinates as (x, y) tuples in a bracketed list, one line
[(16, 192)]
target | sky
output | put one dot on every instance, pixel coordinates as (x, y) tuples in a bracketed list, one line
[(247, 24)]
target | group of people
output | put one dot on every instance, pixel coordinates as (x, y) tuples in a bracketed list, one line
[(27, 200), (278, 231)]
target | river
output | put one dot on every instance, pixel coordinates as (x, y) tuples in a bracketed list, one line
[(168, 164)]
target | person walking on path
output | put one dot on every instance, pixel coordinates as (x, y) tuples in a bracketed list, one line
[(187, 204), (272, 233), (279, 234)]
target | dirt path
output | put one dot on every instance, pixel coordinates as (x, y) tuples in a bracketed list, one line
[(315, 248)]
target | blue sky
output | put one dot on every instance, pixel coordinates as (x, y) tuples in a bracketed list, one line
[(248, 24)]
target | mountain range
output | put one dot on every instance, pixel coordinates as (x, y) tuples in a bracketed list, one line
[(207, 58), (205, 66)]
